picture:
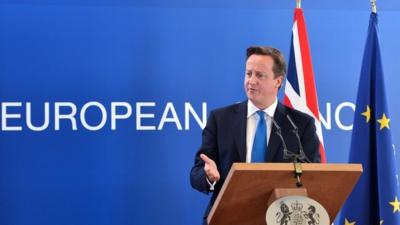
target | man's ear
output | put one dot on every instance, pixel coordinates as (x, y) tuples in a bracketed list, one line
[(279, 81)]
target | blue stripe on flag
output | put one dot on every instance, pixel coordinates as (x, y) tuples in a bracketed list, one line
[(292, 72)]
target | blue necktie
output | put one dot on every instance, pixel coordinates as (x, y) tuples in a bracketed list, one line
[(260, 140)]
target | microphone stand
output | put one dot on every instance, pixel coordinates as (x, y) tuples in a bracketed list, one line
[(302, 156), (297, 159)]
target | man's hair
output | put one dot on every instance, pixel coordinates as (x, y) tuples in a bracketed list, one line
[(279, 67)]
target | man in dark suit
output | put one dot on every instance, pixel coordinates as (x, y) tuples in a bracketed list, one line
[(244, 132)]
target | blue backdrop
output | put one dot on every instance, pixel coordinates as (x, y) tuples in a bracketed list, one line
[(169, 62)]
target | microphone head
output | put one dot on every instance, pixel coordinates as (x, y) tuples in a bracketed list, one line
[(275, 124), (292, 123)]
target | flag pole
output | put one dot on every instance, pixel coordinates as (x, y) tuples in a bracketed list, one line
[(373, 6), (298, 3)]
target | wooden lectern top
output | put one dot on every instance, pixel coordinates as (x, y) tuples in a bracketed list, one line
[(248, 186)]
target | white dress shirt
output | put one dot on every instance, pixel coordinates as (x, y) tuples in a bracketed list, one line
[(252, 122)]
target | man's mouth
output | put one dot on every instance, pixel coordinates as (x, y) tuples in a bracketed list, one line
[(252, 89)]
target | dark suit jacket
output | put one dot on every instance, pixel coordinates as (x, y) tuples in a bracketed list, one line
[(224, 141)]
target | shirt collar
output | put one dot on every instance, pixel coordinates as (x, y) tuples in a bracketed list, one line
[(270, 111)]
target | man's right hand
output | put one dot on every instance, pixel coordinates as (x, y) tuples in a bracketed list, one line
[(210, 168)]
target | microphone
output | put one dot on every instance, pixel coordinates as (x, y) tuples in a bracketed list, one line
[(289, 154), (302, 156), (291, 122), (279, 133)]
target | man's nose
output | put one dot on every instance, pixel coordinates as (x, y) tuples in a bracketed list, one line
[(253, 79)]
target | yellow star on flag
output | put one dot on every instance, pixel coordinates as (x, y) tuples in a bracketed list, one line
[(367, 114), (346, 222), (396, 205), (384, 122)]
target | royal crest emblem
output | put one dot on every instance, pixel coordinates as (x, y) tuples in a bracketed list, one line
[(296, 210)]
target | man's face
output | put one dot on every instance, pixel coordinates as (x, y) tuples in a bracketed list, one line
[(260, 85)]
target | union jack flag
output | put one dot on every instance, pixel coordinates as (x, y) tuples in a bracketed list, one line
[(300, 91)]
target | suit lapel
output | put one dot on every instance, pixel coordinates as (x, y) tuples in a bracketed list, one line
[(239, 127), (274, 142)]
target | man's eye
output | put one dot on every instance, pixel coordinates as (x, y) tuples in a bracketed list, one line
[(261, 76)]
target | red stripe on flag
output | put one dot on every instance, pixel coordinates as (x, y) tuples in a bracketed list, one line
[(286, 101), (308, 73)]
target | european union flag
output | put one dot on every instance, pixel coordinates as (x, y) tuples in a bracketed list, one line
[(375, 199)]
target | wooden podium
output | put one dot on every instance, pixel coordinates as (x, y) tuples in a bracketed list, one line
[(244, 196)]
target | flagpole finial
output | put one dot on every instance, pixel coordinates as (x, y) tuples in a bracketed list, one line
[(298, 4), (373, 6)]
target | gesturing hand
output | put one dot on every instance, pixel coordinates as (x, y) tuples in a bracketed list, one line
[(210, 168)]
